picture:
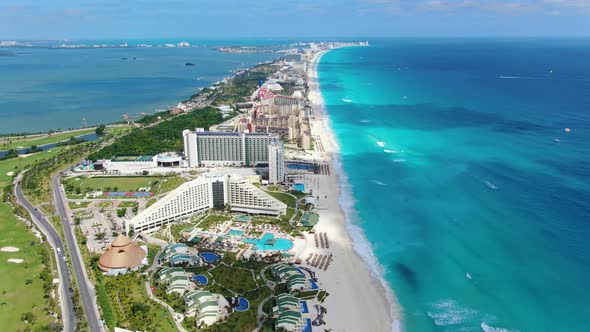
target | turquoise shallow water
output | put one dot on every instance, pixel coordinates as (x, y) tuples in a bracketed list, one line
[(459, 165), (42, 89)]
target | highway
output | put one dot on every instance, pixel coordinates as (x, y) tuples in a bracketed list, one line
[(87, 295), (66, 301)]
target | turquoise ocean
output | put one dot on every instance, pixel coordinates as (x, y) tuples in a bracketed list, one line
[(43, 88), (463, 178)]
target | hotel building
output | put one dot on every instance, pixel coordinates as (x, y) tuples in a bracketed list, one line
[(207, 148), (210, 149), (204, 193), (276, 162)]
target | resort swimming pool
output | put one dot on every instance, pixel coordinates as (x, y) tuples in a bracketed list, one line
[(243, 304), (200, 279), (269, 242), (209, 257), (236, 232)]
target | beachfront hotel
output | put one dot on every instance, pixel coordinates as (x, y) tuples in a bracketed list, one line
[(276, 162), (202, 194), (208, 148)]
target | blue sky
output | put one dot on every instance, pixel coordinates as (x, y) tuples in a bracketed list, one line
[(55, 19)]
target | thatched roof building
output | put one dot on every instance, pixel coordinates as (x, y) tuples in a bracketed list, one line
[(121, 254)]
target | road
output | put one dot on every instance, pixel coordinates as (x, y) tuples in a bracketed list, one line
[(87, 295), (67, 304)]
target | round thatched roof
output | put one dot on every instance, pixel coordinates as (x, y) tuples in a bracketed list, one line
[(121, 254)]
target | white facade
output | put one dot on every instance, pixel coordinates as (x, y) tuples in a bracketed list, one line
[(246, 197), (188, 199), (206, 148), (276, 162), (204, 193)]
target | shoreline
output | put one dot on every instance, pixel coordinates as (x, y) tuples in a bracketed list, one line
[(377, 308)]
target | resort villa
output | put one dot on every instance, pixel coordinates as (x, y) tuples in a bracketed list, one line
[(208, 308), (180, 254), (176, 278), (289, 320), (296, 281)]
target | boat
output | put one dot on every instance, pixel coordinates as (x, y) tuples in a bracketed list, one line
[(189, 64), (468, 276)]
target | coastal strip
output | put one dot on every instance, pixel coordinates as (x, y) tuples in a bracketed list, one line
[(360, 299)]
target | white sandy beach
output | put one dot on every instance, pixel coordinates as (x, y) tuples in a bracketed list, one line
[(358, 299)]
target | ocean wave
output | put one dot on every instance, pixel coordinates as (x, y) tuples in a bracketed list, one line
[(360, 243), (449, 312), (365, 121), (509, 77), (381, 144), (346, 100), (399, 160), (378, 182), (486, 328), (491, 185), (390, 151)]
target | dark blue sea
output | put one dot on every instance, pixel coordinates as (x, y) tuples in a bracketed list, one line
[(468, 162)]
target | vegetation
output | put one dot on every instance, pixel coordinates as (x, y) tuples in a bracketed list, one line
[(125, 303), (285, 198), (235, 279), (38, 140), (166, 136), (32, 277), (211, 220), (100, 130), (243, 85), (81, 185)]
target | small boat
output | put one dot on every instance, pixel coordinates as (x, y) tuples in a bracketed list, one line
[(557, 140), (189, 64), (468, 276)]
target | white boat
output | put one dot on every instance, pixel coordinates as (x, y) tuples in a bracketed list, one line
[(468, 276)]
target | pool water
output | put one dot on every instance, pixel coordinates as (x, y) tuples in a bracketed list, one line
[(263, 243), (236, 232), (243, 304), (209, 257), (200, 279)]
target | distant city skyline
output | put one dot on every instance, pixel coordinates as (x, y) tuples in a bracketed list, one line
[(87, 19)]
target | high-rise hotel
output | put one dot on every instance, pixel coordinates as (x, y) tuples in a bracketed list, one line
[(208, 149), (202, 194)]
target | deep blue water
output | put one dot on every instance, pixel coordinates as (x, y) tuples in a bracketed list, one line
[(42, 89), (459, 163)]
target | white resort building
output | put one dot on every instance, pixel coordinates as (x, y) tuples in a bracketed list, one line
[(204, 193), (209, 149), (208, 308)]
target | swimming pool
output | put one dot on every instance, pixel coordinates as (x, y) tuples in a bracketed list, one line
[(200, 279), (304, 309), (313, 284), (236, 232), (243, 304), (209, 257), (301, 166), (269, 242)]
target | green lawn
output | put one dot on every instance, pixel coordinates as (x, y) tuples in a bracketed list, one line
[(27, 141), (290, 201), (15, 233), (38, 140), (122, 183), (17, 298), (235, 279)]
